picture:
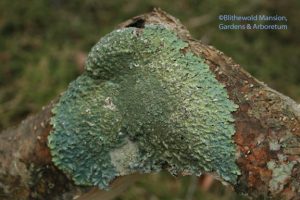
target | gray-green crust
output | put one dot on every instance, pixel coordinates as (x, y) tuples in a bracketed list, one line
[(143, 105)]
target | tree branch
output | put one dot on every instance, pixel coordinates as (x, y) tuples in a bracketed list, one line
[(267, 130)]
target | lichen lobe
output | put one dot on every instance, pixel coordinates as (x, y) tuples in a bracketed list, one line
[(142, 105)]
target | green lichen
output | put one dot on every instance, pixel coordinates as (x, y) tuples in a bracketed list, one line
[(143, 105), (281, 173)]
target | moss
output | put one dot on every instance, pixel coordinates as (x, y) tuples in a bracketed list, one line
[(142, 105)]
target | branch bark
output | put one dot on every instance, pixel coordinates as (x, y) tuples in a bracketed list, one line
[(267, 137)]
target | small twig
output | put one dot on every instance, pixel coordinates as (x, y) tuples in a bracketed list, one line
[(117, 188), (192, 188)]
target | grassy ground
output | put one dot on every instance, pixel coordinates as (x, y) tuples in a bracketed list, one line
[(43, 44)]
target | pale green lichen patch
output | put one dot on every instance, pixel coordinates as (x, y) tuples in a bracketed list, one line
[(141, 106), (274, 145), (281, 173)]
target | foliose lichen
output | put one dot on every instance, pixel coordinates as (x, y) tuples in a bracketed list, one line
[(143, 105)]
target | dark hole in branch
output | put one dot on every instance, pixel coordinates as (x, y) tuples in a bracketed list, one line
[(138, 23)]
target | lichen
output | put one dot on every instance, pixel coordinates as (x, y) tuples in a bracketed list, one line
[(274, 145), (143, 105), (280, 174)]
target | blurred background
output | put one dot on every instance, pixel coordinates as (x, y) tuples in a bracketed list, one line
[(43, 45)]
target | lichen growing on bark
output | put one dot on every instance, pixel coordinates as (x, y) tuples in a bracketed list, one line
[(143, 105), (281, 173)]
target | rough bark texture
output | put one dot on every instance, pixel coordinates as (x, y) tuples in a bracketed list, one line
[(267, 136)]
